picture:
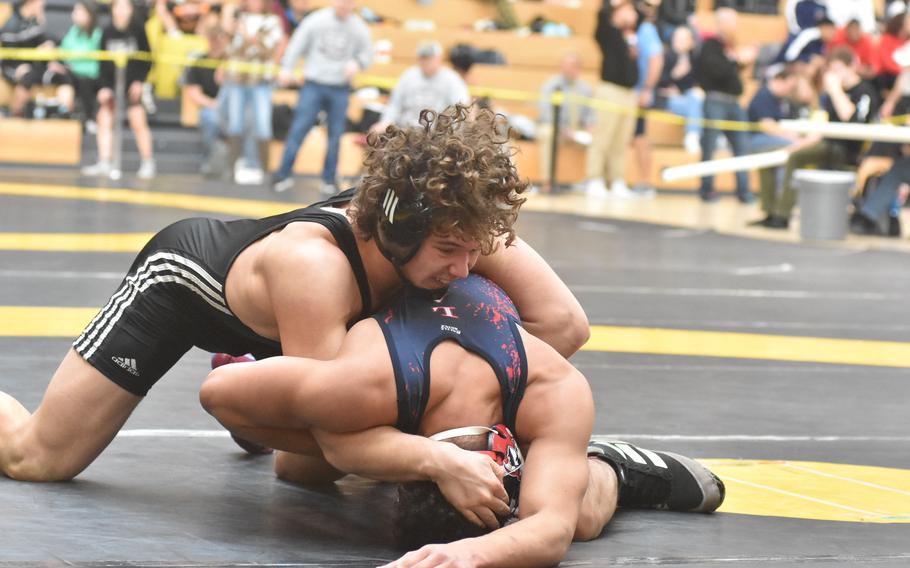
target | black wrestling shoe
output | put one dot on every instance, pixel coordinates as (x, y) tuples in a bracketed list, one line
[(660, 480)]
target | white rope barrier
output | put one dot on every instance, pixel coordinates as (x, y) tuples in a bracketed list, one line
[(737, 164), (849, 130)]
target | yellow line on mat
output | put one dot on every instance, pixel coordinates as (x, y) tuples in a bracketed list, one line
[(28, 321), (748, 346), (74, 242), (206, 203)]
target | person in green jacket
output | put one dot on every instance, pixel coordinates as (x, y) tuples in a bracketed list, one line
[(83, 36)]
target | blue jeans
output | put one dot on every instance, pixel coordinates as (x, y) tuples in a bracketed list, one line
[(884, 197), (239, 98), (689, 105), (313, 98), (210, 121), (739, 141)]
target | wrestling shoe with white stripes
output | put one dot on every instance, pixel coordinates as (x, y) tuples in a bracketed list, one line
[(659, 480), (219, 359)]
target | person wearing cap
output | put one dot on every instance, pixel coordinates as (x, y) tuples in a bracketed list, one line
[(427, 85)]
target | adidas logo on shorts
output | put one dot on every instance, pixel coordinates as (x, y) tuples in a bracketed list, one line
[(128, 364)]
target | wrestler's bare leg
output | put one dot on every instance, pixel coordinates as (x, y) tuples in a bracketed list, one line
[(80, 414), (600, 500)]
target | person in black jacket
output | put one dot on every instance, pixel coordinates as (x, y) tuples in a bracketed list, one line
[(606, 160), (718, 67), (123, 35)]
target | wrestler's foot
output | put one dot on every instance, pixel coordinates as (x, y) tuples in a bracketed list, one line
[(219, 359), (660, 480)]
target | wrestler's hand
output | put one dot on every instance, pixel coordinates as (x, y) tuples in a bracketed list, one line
[(472, 483), (453, 555)]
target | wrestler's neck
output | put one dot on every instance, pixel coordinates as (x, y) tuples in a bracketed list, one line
[(384, 280)]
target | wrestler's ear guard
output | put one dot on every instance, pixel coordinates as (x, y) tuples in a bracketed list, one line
[(404, 223)]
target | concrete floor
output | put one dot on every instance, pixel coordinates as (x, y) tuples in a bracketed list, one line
[(173, 490)]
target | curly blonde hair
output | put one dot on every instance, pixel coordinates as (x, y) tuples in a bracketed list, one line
[(458, 163)]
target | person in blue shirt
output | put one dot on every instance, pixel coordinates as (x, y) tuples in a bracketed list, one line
[(650, 67)]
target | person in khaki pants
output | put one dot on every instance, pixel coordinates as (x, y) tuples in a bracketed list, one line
[(575, 115), (606, 160)]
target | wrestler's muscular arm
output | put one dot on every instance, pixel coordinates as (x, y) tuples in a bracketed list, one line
[(557, 418), (547, 307)]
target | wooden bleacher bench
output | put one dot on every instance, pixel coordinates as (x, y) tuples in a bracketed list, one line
[(59, 141)]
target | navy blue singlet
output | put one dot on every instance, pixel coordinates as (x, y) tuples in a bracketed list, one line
[(477, 314)]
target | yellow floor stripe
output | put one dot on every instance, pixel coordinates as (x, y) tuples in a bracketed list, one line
[(812, 490), (748, 346), (202, 203), (33, 321), (74, 242), (28, 321)]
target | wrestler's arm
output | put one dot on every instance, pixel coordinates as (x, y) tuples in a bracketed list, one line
[(558, 422), (470, 481), (547, 307)]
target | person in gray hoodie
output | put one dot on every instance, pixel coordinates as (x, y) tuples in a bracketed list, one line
[(336, 44)]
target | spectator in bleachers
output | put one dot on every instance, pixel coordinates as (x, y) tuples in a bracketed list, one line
[(848, 98), (650, 66), (771, 104), (84, 36), (678, 89), (842, 12), (293, 12), (336, 44), (606, 157), (671, 15), (123, 36), (719, 66), (895, 35), (863, 46), (884, 202), (202, 84), (257, 41), (574, 115), (809, 47), (427, 85), (26, 29), (804, 14)]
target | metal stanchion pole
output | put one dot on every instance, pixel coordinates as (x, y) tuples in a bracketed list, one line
[(554, 141), (120, 62)]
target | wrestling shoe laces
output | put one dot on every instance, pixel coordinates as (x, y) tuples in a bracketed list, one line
[(659, 480)]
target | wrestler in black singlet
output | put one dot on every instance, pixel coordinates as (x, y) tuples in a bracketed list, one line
[(173, 296)]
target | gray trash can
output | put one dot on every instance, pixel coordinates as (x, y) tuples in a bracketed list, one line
[(823, 199)]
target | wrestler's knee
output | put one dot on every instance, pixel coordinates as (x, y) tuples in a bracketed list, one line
[(306, 470)]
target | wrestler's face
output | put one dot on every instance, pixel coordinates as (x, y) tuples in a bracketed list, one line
[(440, 260)]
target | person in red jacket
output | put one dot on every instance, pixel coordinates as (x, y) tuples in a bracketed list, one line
[(863, 46)]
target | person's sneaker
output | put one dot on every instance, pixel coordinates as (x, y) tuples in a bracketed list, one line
[(692, 143), (328, 189), (644, 190), (862, 225), (775, 222), (619, 190), (746, 198), (102, 168), (596, 188), (894, 226), (147, 169), (219, 359), (712, 197), (763, 222), (280, 185), (660, 480)]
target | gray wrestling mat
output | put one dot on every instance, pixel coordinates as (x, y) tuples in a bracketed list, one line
[(818, 417)]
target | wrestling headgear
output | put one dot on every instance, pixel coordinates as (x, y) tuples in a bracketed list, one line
[(403, 225), (503, 448)]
